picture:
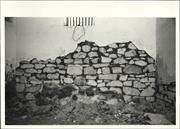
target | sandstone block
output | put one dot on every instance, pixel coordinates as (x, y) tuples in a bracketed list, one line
[(91, 77), (58, 60), (101, 84), (141, 63), (89, 70), (117, 90), (33, 80), (148, 92), (139, 85), (86, 60), (103, 89), (93, 54), (34, 60), (108, 77), (92, 83), (68, 80), (113, 56), (127, 83), (102, 50), (100, 65), (149, 68), (86, 48), (105, 59), (67, 61), (120, 60), (31, 71), (26, 66), (39, 66), (79, 55), (130, 53), (49, 70), (116, 69), (123, 77), (105, 70), (121, 51), (53, 76), (113, 45), (132, 69), (95, 60), (131, 91), (115, 83), (74, 69), (80, 81)]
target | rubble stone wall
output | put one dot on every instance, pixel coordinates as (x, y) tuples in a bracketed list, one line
[(167, 92), (119, 67)]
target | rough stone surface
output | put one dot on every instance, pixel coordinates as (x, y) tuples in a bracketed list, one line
[(127, 83), (148, 92), (105, 70), (74, 69), (53, 76), (132, 69), (130, 53), (79, 55), (116, 69), (123, 77), (68, 80), (139, 85), (120, 61), (80, 81), (141, 63), (105, 59), (131, 91), (92, 83), (115, 83), (86, 48), (108, 77), (89, 70)]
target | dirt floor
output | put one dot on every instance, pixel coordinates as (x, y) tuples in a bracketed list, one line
[(99, 113)]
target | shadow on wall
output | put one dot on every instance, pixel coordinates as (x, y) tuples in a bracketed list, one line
[(165, 39)]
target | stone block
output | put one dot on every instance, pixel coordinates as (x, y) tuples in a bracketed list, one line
[(102, 50), (100, 65), (39, 66), (127, 98), (33, 80), (80, 81), (105, 70), (31, 71), (58, 60), (50, 65), (139, 85), (79, 55), (116, 90), (49, 70), (115, 83), (105, 59), (101, 84), (23, 79), (74, 69), (68, 80), (108, 77), (123, 77), (149, 68), (53, 76), (68, 61), (92, 83), (86, 48), (103, 89), (93, 54), (113, 56), (127, 83), (130, 53), (32, 89), (131, 91), (116, 70), (113, 45), (91, 77), (95, 60), (132, 69), (120, 60), (89, 70), (141, 63), (121, 51), (26, 66), (132, 46), (148, 92)]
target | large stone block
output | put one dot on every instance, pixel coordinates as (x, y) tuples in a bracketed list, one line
[(127, 83), (68, 80), (123, 77), (80, 81), (108, 77), (105, 70), (86, 48), (31, 70), (26, 66), (131, 91), (132, 69), (130, 53), (67, 61), (117, 90), (53, 76), (49, 70), (116, 69), (121, 51), (105, 59), (92, 83), (93, 54), (141, 63), (74, 69), (148, 92), (120, 60), (39, 66), (79, 55), (115, 83), (139, 85), (149, 68), (89, 70), (113, 45)]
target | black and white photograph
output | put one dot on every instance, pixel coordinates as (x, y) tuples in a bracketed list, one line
[(90, 70)]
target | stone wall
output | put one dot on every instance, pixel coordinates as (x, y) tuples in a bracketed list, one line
[(167, 92), (119, 67)]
